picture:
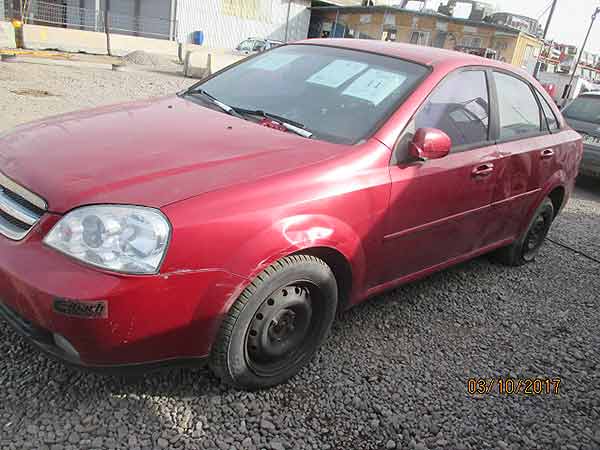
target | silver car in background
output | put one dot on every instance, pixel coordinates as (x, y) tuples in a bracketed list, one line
[(583, 115)]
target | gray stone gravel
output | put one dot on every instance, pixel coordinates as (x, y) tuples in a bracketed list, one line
[(393, 374)]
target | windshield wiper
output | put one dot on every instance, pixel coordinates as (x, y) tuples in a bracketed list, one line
[(290, 125), (215, 101)]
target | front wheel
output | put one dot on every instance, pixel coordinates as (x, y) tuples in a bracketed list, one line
[(276, 326), (527, 247)]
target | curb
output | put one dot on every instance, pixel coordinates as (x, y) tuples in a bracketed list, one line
[(56, 62)]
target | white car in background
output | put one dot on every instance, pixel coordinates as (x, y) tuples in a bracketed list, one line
[(256, 45)]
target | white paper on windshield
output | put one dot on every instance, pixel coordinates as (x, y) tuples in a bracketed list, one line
[(375, 85), (336, 73), (273, 61)]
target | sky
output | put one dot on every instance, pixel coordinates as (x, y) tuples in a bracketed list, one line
[(570, 21)]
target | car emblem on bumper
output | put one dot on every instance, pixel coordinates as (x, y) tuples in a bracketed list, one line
[(84, 310)]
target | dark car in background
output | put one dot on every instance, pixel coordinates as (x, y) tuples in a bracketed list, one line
[(583, 114)]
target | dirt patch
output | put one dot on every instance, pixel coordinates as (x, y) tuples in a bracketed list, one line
[(142, 58), (33, 93)]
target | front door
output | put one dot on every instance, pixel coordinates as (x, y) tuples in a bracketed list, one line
[(439, 208)]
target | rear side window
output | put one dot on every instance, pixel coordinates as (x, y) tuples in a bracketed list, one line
[(460, 108), (518, 108), (548, 113)]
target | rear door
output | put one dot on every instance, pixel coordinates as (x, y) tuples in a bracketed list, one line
[(524, 152), (439, 208)]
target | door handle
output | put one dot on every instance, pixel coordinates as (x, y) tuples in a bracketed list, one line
[(548, 153), (483, 170)]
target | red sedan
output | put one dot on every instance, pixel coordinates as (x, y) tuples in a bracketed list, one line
[(231, 221)]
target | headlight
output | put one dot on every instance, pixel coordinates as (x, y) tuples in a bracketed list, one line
[(129, 239)]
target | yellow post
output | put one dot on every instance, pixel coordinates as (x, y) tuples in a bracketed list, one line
[(18, 26)]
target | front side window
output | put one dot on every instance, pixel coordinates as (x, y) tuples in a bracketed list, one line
[(337, 94), (518, 108), (585, 109), (460, 108)]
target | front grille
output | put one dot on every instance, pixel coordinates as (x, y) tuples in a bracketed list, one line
[(20, 209)]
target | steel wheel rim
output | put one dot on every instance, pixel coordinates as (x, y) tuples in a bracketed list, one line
[(281, 330), (536, 236)]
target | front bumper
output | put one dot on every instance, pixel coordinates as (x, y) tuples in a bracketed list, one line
[(590, 164), (148, 320)]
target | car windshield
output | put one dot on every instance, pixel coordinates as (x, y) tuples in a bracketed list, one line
[(585, 109), (338, 95)]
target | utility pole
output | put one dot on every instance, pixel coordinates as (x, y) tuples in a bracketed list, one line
[(538, 64), (107, 26), (596, 12), (287, 20)]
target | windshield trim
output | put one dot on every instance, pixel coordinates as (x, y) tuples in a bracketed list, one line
[(376, 126)]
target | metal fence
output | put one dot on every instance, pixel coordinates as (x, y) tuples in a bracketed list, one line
[(67, 16)]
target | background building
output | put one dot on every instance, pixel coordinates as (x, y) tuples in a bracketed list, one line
[(428, 28), (523, 23), (223, 23), (467, 9)]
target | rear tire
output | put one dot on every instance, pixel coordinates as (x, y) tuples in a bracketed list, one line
[(527, 247), (277, 324)]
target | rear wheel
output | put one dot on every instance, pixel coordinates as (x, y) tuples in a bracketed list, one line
[(527, 247), (275, 327)]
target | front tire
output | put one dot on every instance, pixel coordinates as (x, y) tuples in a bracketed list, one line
[(277, 324), (527, 247)]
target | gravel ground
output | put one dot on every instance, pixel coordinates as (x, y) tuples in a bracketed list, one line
[(393, 374), (69, 89)]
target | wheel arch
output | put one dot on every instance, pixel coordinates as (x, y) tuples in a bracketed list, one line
[(556, 188), (557, 195), (339, 265)]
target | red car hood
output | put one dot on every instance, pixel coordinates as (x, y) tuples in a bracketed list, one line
[(149, 153)]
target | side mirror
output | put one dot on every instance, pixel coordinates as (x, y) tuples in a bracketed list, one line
[(429, 143)]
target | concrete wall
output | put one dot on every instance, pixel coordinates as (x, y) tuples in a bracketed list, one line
[(7, 35), (226, 23), (39, 37)]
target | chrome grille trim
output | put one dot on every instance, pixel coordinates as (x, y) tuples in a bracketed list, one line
[(22, 192), (20, 209), (16, 210)]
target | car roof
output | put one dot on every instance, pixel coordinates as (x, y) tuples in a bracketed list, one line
[(430, 56)]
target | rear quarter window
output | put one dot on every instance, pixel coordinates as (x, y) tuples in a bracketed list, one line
[(549, 115)]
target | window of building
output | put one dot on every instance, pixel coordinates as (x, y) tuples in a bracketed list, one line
[(471, 41), (419, 38), (519, 111)]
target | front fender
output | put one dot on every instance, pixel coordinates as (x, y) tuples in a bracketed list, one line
[(297, 233)]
